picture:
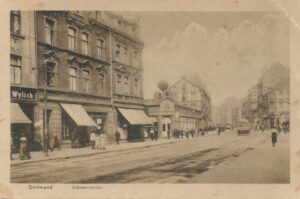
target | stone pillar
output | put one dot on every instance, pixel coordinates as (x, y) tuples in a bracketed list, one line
[(112, 121)]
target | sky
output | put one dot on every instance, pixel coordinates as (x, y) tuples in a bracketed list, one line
[(229, 51)]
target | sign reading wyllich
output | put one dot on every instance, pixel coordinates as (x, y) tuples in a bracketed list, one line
[(22, 93)]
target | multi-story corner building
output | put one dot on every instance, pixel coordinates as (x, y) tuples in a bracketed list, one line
[(187, 93), (23, 76), (268, 102), (78, 69)]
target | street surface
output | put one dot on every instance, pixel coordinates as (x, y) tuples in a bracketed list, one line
[(227, 158)]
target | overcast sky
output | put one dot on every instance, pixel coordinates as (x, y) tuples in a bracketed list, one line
[(228, 50)]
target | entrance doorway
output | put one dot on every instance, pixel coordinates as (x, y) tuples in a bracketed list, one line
[(166, 126)]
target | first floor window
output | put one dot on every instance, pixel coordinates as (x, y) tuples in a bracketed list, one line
[(85, 80), (15, 70), (49, 30), (73, 78), (100, 47), (84, 43), (126, 84), (51, 73), (101, 82), (119, 83), (71, 38), (136, 86)]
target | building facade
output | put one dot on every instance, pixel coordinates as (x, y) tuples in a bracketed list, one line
[(76, 69), (186, 93), (23, 76)]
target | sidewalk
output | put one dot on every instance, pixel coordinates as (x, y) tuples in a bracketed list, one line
[(85, 151)]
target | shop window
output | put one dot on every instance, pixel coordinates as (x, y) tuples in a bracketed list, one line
[(71, 38), (51, 73), (15, 22), (100, 48), (84, 43), (15, 69), (73, 78), (49, 30)]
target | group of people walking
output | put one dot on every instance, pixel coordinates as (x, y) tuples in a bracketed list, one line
[(97, 140)]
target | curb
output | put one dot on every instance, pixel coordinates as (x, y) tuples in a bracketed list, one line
[(90, 154)]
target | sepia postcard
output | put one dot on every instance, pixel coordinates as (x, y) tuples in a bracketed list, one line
[(150, 99)]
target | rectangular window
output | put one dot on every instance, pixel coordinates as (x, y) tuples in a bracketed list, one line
[(84, 43), (118, 51), (100, 82), (73, 78), (85, 80), (135, 58), (15, 70), (125, 55), (100, 47), (49, 31), (164, 127), (15, 22), (136, 87), (126, 84), (51, 73), (119, 83), (71, 38)]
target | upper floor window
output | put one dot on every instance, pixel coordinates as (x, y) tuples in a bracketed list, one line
[(100, 47), (73, 78), (126, 84), (15, 69), (85, 80), (71, 38), (49, 31), (118, 52), (51, 73), (136, 86), (119, 83), (100, 82), (135, 58), (125, 55), (15, 22), (84, 43)]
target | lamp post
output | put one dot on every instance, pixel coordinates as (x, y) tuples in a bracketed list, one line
[(45, 132)]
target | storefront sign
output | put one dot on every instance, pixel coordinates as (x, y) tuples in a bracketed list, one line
[(22, 93)]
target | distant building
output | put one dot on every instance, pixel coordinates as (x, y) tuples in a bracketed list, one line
[(268, 101), (187, 93)]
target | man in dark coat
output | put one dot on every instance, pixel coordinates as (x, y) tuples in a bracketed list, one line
[(117, 135), (274, 136)]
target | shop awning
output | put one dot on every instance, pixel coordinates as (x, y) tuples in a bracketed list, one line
[(135, 117), (78, 114), (17, 116)]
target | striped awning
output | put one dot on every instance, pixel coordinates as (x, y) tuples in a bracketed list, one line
[(17, 116), (135, 117)]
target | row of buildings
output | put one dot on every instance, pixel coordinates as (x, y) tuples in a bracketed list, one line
[(84, 69), (267, 103)]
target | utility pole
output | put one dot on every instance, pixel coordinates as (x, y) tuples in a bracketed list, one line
[(45, 126)]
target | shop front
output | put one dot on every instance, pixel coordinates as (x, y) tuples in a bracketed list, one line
[(23, 103), (76, 124), (131, 124)]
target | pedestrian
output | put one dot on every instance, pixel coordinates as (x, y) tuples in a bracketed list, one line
[(262, 128), (73, 137), (174, 133), (93, 139), (169, 133), (274, 136), (152, 134), (117, 135), (24, 151), (219, 131)]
